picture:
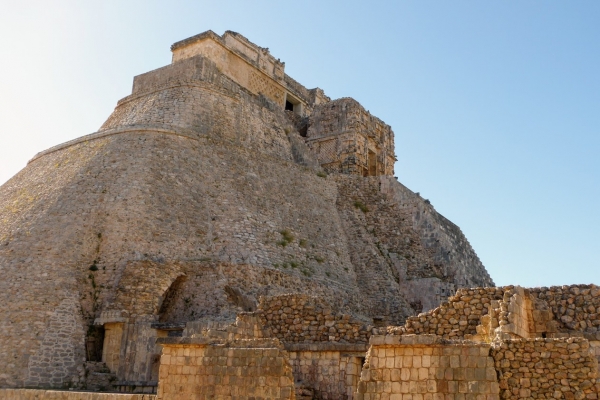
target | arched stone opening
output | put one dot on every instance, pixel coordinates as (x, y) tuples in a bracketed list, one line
[(167, 310)]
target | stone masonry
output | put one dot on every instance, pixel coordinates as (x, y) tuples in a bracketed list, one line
[(229, 233), (199, 194)]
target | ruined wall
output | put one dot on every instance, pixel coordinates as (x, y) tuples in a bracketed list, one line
[(424, 367), (455, 318), (243, 369), (302, 318), (348, 139), (511, 312), (546, 368), (576, 307)]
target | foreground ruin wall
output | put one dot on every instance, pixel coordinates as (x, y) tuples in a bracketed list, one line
[(546, 368), (428, 367), (512, 311), (243, 369), (513, 360)]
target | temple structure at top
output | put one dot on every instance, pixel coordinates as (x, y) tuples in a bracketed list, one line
[(345, 137)]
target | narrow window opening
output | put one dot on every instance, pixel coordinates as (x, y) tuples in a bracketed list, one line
[(372, 160), (293, 104)]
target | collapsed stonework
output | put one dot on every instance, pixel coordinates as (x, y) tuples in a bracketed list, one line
[(224, 214)]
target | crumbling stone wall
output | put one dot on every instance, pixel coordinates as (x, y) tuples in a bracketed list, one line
[(454, 319), (301, 318), (511, 310), (546, 368), (577, 307), (241, 369)]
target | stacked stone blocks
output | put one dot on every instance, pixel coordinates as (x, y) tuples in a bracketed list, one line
[(546, 368), (242, 369), (426, 368)]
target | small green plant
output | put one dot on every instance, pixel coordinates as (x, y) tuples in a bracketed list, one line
[(322, 174), (361, 206), (319, 259), (302, 243), (306, 272), (287, 238), (293, 264), (327, 273)]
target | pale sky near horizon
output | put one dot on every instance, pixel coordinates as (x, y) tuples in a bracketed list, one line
[(495, 105)]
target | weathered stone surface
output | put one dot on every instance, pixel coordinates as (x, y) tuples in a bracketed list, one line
[(197, 196)]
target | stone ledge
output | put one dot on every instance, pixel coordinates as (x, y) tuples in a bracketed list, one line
[(42, 394), (197, 38), (327, 346), (204, 341), (110, 132), (416, 340)]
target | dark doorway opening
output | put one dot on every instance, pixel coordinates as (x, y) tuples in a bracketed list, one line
[(289, 106), (94, 343)]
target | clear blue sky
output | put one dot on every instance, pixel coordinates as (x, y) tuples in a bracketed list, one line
[(495, 105)]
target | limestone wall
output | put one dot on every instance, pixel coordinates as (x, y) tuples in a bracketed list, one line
[(243, 369), (546, 368), (32, 394), (425, 367)]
